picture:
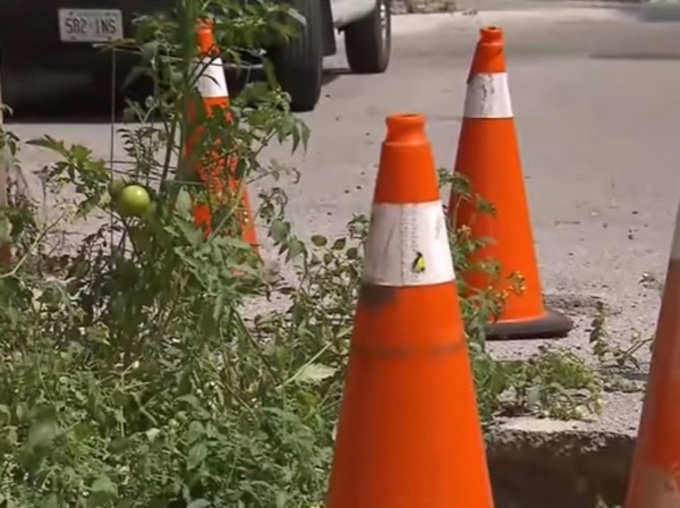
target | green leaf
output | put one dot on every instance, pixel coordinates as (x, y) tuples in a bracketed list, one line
[(533, 395), (279, 230), (82, 431), (4, 410), (140, 238), (295, 248), (11, 435), (41, 433), (198, 503), (120, 445), (306, 131), (152, 434), (218, 308), (5, 230), (191, 234), (352, 253), (50, 502), (269, 72), (314, 372), (339, 244), (319, 240), (191, 400), (50, 143), (197, 455), (150, 49), (104, 485), (184, 203), (195, 432)]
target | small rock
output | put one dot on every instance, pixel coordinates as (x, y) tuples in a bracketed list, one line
[(649, 281), (635, 212)]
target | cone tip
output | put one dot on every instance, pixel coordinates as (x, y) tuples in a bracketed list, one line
[(204, 34), (405, 127), (491, 34)]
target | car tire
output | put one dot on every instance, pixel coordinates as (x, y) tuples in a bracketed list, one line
[(298, 62), (368, 41)]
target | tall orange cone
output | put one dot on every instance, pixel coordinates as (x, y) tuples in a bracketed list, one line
[(488, 156), (409, 433), (212, 86), (654, 481)]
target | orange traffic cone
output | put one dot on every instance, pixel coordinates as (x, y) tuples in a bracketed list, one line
[(409, 433), (212, 86), (655, 476), (488, 156)]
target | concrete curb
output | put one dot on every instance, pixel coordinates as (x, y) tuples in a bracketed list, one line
[(560, 469)]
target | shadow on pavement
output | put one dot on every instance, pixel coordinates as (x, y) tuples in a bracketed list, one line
[(330, 75), (635, 56), (654, 12)]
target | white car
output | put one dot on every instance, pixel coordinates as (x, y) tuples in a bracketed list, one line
[(366, 25)]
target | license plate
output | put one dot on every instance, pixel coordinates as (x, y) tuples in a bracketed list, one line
[(90, 25)]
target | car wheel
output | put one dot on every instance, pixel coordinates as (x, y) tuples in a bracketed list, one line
[(298, 62), (368, 41)]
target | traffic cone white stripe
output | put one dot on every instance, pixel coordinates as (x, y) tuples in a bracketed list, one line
[(212, 83), (675, 249), (408, 246), (488, 96)]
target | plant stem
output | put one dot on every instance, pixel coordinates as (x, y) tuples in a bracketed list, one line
[(258, 349), (35, 243)]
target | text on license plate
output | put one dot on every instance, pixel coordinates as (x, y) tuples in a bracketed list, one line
[(90, 25)]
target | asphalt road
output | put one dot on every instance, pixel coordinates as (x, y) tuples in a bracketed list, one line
[(595, 94)]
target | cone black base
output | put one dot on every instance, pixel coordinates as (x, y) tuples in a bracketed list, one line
[(552, 325)]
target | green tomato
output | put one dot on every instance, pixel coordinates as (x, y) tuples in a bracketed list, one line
[(116, 187), (133, 200)]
